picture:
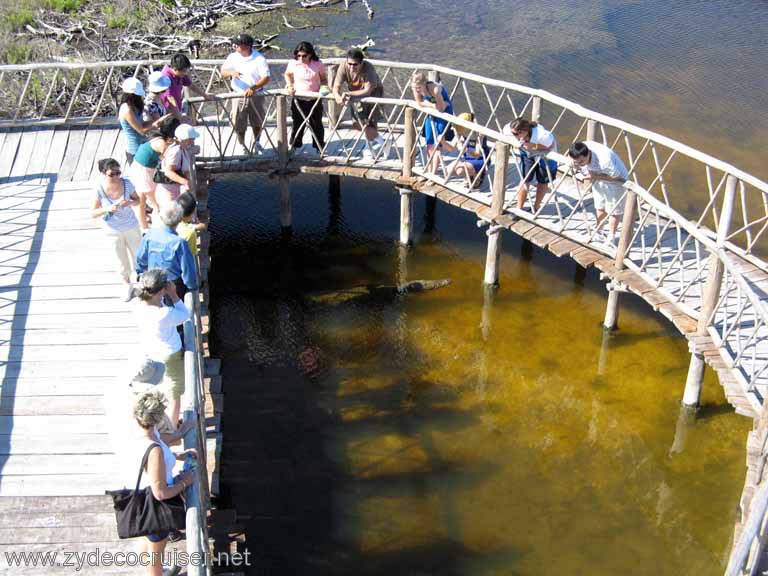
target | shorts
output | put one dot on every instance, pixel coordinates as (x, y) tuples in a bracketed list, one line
[(141, 178), (608, 197), (251, 111), (173, 381), (157, 537), (366, 113), (537, 167)]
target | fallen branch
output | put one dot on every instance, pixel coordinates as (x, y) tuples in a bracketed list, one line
[(292, 27)]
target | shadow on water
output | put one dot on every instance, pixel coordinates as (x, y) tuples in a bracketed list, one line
[(458, 431), (284, 462)]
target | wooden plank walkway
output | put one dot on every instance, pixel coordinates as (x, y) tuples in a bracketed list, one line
[(66, 338)]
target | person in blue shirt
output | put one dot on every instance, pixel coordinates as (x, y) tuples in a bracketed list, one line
[(163, 248)]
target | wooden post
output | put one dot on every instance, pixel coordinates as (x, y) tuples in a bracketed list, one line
[(406, 215), (282, 130), (498, 189), (695, 378), (536, 109), (410, 140), (285, 202), (333, 107), (627, 228), (592, 130)]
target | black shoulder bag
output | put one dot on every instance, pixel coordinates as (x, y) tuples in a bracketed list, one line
[(139, 513)]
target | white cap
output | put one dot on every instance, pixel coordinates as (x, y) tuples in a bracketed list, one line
[(158, 82), (186, 132), (133, 86)]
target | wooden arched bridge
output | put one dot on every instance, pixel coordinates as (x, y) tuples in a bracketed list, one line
[(692, 241)]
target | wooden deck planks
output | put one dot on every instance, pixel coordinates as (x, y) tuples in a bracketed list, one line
[(8, 153)]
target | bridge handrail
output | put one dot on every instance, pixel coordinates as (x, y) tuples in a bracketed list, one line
[(533, 92), (197, 496)]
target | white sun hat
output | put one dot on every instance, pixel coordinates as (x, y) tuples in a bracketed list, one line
[(133, 86), (186, 132)]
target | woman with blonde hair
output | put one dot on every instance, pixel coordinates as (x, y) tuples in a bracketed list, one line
[(148, 412), (433, 95), (475, 157)]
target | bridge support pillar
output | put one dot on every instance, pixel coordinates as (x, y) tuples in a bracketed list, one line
[(694, 380), (625, 239), (498, 192), (493, 256), (406, 216), (611, 320), (710, 296)]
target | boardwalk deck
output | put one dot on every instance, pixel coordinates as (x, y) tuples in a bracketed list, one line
[(65, 333), (65, 337)]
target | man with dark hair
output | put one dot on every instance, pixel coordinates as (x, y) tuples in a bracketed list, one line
[(362, 80), (598, 163), (178, 72), (249, 73)]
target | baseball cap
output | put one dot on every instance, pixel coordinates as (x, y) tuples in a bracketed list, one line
[(133, 86), (186, 132), (158, 82), (244, 39), (149, 372)]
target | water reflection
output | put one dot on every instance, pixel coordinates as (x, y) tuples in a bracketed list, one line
[(455, 431)]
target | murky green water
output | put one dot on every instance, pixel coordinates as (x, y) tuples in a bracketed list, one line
[(441, 433), (419, 434)]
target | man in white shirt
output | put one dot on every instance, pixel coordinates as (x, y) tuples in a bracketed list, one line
[(249, 73), (607, 172)]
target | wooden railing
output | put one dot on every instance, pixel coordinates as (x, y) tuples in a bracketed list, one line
[(693, 257), (197, 496)]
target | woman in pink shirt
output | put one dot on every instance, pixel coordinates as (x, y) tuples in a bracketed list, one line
[(305, 73)]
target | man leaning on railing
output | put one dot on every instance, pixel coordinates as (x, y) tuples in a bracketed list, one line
[(607, 172)]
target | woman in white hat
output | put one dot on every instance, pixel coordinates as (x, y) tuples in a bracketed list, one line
[(176, 165), (130, 115)]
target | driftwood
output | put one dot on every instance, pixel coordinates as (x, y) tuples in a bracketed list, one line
[(292, 27), (369, 43)]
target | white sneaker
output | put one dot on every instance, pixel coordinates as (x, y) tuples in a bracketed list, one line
[(258, 149), (611, 238), (368, 152)]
